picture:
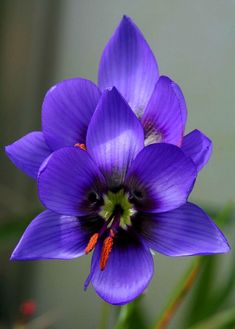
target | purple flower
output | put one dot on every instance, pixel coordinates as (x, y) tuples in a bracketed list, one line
[(121, 200), (128, 64)]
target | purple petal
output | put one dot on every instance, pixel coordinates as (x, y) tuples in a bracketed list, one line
[(67, 110), (185, 231), (166, 113), (129, 64), (128, 271), (69, 181), (198, 147), (53, 236), (28, 152), (161, 178), (114, 136)]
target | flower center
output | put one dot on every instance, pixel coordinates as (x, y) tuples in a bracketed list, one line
[(117, 202), (117, 212)]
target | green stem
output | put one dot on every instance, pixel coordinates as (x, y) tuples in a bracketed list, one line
[(104, 316), (131, 316), (179, 295)]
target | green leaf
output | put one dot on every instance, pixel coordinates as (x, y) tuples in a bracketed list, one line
[(225, 216), (222, 320), (203, 289), (179, 294), (208, 297)]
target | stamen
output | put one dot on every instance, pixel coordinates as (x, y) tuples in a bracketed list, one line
[(81, 146), (106, 250), (92, 242)]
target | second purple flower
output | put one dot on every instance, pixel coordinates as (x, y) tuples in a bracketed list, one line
[(128, 64)]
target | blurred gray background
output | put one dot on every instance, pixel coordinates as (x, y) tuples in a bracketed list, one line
[(43, 42)]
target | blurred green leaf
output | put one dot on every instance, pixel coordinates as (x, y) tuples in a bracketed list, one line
[(208, 297), (199, 305), (222, 320), (224, 291), (179, 294), (132, 316), (225, 216)]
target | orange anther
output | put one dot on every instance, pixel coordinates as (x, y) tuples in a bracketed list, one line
[(81, 146), (92, 242), (106, 250)]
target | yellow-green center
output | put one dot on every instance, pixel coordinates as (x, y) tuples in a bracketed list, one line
[(112, 201)]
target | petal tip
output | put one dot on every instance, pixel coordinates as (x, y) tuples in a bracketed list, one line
[(165, 78), (5, 147), (225, 247), (126, 20), (198, 147), (113, 90), (8, 150), (14, 257), (125, 17), (228, 248)]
